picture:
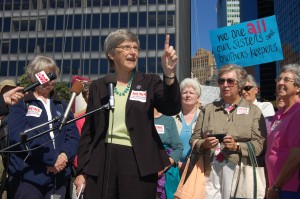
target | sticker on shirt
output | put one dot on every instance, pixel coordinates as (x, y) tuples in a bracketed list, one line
[(275, 124), (242, 111), (140, 96), (160, 128), (34, 111)]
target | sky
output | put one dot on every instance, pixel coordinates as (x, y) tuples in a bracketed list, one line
[(203, 19)]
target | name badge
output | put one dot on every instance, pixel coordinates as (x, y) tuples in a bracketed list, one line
[(140, 96), (160, 128), (242, 111), (34, 111)]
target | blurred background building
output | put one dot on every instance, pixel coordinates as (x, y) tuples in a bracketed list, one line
[(203, 66), (73, 33)]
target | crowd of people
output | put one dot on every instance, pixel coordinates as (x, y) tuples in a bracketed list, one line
[(138, 147)]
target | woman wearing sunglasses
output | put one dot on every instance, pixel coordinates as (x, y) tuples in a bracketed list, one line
[(283, 143), (236, 121), (250, 91)]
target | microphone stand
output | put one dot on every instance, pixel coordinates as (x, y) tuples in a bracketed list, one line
[(24, 138)]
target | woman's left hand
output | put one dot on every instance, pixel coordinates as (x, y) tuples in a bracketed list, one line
[(61, 162), (169, 58), (230, 143)]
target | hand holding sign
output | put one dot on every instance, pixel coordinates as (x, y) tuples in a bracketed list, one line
[(169, 59)]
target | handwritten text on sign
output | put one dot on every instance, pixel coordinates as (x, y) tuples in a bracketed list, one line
[(247, 43)]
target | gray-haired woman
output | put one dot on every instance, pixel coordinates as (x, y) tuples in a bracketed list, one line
[(120, 152), (44, 170), (238, 122), (283, 143)]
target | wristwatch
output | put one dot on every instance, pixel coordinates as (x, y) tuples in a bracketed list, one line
[(276, 188)]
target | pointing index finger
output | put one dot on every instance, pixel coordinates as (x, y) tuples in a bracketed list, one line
[(167, 41)]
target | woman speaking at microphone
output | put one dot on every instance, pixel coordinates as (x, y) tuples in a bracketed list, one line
[(43, 172), (120, 152)]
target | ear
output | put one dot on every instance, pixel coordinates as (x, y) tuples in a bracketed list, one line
[(255, 90), (110, 56)]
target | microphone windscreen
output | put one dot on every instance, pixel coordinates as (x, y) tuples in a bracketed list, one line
[(111, 78), (77, 87), (51, 76)]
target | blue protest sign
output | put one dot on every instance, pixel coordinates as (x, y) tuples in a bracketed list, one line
[(247, 44)]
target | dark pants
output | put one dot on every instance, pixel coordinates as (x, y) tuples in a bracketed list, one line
[(20, 189), (121, 178)]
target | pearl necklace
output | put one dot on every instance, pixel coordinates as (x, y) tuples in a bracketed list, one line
[(127, 87)]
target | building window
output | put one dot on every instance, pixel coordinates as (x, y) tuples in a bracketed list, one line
[(95, 43), (142, 65), (21, 67), (3, 68), (58, 44), (124, 20), (152, 65), (12, 68), (94, 66), (50, 23), (104, 66), (77, 22), (69, 22), (49, 45), (133, 20), (105, 21), (31, 45), (7, 22), (76, 44), (152, 42), (14, 46), (152, 19), (5, 47), (143, 42), (59, 22), (41, 44), (115, 20), (142, 19), (96, 21)]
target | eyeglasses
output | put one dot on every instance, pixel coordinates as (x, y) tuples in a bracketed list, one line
[(285, 79), (248, 88), (129, 48), (230, 81)]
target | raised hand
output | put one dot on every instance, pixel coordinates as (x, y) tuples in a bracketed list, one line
[(169, 59), (13, 96)]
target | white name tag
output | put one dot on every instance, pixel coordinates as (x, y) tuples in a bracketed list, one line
[(242, 110), (34, 111), (160, 128), (140, 96)]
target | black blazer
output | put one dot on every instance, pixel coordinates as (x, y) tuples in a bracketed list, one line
[(3, 107), (147, 146)]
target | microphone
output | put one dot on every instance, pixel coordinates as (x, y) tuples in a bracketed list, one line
[(111, 82), (42, 78), (75, 90)]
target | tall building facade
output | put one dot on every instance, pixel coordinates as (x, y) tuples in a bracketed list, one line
[(228, 12), (264, 73), (73, 33), (203, 66), (288, 20)]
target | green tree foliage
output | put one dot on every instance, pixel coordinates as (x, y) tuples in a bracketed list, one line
[(61, 88)]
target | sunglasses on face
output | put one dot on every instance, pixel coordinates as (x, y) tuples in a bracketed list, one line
[(248, 88), (230, 81)]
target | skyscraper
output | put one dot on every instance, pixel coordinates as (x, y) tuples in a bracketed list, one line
[(73, 33), (228, 12), (288, 20)]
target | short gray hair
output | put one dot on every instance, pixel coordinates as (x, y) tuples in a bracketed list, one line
[(38, 64), (191, 82), (116, 38), (252, 81), (241, 74), (292, 68)]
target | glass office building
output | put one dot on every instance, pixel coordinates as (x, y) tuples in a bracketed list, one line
[(288, 20), (73, 33)]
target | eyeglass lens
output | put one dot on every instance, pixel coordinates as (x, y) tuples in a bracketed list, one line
[(229, 81)]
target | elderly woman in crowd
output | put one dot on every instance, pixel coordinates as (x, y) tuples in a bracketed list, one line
[(120, 152), (44, 171), (283, 143), (185, 121), (223, 132), (250, 91)]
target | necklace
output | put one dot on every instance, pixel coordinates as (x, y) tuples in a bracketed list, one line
[(126, 89)]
